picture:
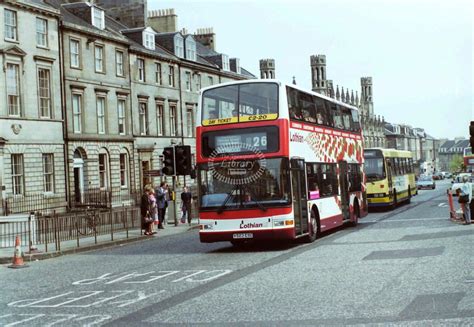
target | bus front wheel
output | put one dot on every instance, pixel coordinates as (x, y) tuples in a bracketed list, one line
[(313, 230)]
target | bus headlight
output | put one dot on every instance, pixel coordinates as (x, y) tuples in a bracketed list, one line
[(206, 226), (278, 223)]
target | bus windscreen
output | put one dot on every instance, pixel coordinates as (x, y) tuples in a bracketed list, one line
[(374, 165), (240, 103)]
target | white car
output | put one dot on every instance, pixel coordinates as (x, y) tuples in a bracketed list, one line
[(457, 182)]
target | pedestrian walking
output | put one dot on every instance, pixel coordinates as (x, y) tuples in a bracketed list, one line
[(465, 197), (186, 201), (145, 210), (153, 210), (161, 194)]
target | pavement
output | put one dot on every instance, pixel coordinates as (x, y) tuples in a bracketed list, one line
[(90, 243)]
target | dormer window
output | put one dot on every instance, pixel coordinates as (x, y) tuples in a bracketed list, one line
[(225, 62), (179, 46), (98, 19), (190, 48), (149, 40)]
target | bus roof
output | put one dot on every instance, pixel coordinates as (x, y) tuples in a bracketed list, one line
[(282, 84), (393, 152)]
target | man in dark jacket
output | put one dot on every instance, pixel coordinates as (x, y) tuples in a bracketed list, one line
[(161, 194), (186, 200)]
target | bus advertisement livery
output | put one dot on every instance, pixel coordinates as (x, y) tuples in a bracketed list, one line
[(276, 162), (390, 177)]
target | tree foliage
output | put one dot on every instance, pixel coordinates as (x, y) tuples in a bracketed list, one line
[(456, 164)]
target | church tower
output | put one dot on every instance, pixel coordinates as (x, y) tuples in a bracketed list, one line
[(318, 74), (267, 68), (366, 101)]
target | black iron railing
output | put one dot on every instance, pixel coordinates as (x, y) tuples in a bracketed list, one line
[(48, 231), (45, 204)]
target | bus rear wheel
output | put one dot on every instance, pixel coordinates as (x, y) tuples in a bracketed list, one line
[(355, 215), (313, 230)]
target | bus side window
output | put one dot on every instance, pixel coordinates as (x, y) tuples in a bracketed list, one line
[(321, 112), (308, 109), (313, 183), (355, 177), (293, 104), (356, 121), (336, 111), (329, 113), (396, 166), (334, 179), (346, 118)]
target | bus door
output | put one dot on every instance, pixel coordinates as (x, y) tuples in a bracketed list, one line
[(299, 195), (388, 169), (344, 186)]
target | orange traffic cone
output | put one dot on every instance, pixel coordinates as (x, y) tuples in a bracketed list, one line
[(17, 256)]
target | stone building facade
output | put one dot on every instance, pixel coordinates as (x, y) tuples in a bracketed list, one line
[(32, 152), (449, 149), (124, 94), (423, 146), (99, 138)]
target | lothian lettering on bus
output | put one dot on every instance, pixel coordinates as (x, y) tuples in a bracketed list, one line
[(250, 225), (294, 137)]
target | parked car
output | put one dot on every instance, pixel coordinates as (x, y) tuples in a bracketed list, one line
[(457, 181), (438, 176), (447, 174), (426, 181)]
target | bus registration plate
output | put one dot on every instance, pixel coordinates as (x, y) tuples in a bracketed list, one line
[(242, 235)]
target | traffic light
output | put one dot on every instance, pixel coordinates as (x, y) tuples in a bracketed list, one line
[(471, 139), (168, 161), (183, 159)]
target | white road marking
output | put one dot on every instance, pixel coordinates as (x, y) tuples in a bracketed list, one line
[(413, 219), (34, 316)]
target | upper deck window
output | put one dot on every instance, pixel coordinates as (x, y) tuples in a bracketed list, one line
[(240, 103), (315, 110)]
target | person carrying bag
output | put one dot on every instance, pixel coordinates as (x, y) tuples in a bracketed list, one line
[(145, 210), (465, 197)]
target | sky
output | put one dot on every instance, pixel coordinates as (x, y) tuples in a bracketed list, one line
[(419, 53)]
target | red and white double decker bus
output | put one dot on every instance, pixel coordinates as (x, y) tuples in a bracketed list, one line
[(276, 162)]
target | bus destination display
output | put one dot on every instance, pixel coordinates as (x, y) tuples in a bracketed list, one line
[(242, 143)]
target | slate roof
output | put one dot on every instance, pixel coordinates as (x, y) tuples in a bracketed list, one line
[(71, 20), (113, 30)]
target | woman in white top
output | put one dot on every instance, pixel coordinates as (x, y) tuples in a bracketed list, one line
[(466, 189)]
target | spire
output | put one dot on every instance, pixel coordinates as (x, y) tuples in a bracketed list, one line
[(352, 97), (347, 96), (357, 99), (343, 95), (338, 95), (294, 81)]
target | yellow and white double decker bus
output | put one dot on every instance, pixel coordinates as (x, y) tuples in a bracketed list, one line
[(390, 177)]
